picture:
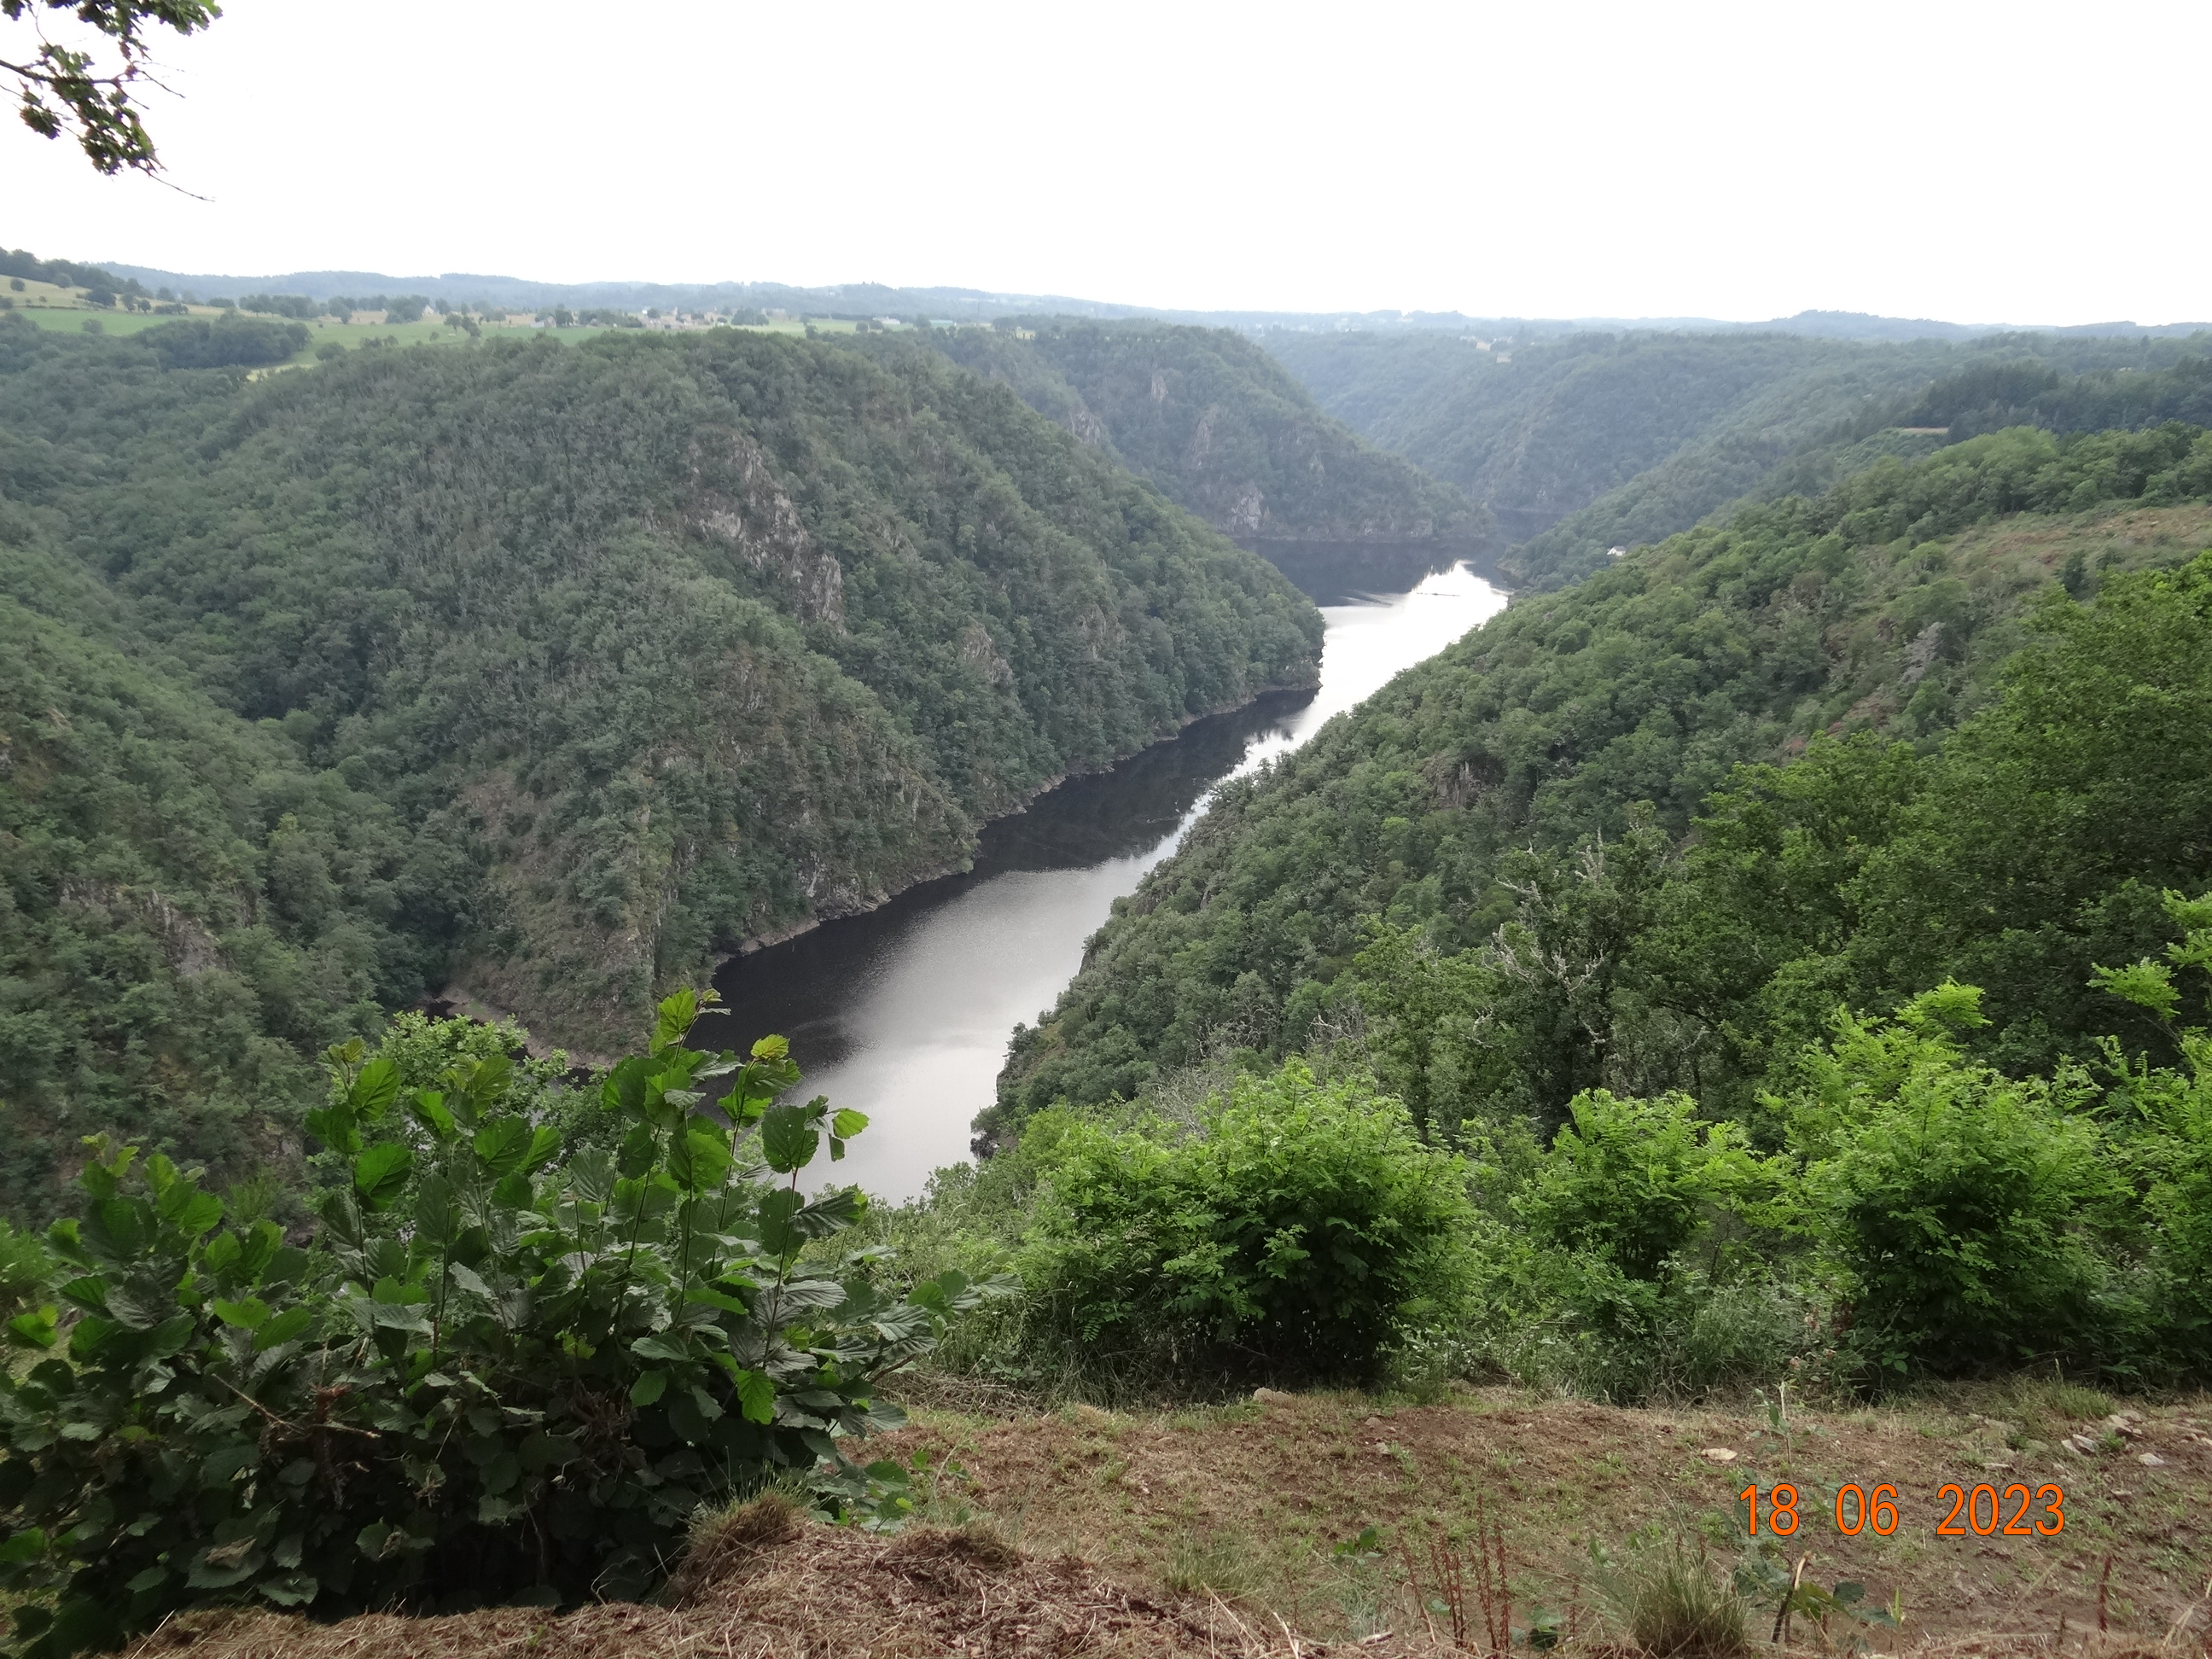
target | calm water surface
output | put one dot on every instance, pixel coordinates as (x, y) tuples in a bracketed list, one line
[(904, 1013)]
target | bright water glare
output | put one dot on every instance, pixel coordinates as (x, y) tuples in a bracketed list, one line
[(904, 1013)]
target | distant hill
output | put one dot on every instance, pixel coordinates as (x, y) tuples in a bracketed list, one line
[(1583, 443), (1547, 428), (979, 305), (1212, 419)]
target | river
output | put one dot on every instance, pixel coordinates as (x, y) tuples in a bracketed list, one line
[(904, 1012)]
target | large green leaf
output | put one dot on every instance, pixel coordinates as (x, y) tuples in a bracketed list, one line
[(673, 1020), (25, 1545), (429, 1109), (515, 1192), (379, 1174), (283, 1327), (545, 1146), (788, 1138), (591, 1176), (489, 1082), (640, 1148), (643, 1199), (623, 1088), (777, 1207), (118, 1230), (375, 1089), (249, 1315), (258, 1250), (503, 1145), (341, 1214), (707, 1296), (194, 1214), (832, 1212), (38, 1328), (337, 1127), (699, 1159), (438, 1216), (386, 1258), (293, 1589)]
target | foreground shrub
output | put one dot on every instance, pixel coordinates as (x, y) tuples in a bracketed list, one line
[(1964, 1209), (1634, 1180), (504, 1367), (2171, 1145), (1575, 1323), (1295, 1231)]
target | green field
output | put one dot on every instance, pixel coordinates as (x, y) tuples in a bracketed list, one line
[(72, 319)]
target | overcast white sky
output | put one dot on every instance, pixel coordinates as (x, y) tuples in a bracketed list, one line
[(1980, 162)]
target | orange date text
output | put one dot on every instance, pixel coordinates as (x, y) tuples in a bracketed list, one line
[(1984, 1511)]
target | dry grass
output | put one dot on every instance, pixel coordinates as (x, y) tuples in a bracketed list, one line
[(1258, 1498), (774, 1587), (1085, 1533)]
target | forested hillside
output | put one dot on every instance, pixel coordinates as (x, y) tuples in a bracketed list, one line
[(1561, 423), (1216, 423), (555, 670), (1591, 724), (1591, 441)]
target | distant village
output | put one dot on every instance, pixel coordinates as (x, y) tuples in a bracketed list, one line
[(34, 285)]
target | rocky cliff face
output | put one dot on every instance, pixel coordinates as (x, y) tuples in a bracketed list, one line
[(735, 496)]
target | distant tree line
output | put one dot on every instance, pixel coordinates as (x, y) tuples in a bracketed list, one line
[(64, 273)]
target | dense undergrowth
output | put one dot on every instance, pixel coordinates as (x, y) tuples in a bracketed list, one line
[(517, 1353), (1896, 1211)]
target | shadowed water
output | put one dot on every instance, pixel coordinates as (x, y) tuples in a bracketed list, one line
[(904, 1012)]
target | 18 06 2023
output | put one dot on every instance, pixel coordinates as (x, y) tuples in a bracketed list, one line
[(1982, 1511)]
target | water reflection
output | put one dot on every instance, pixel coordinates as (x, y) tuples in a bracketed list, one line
[(904, 1012)]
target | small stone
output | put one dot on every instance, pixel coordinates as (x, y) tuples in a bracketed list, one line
[(2125, 1425), (1718, 1455), (1273, 1397), (2151, 1460)]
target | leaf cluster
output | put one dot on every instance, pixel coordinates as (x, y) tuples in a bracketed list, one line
[(67, 89), (507, 1366), (1294, 1231)]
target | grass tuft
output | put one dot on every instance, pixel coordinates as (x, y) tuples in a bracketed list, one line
[(1674, 1608), (1222, 1563), (725, 1539)]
